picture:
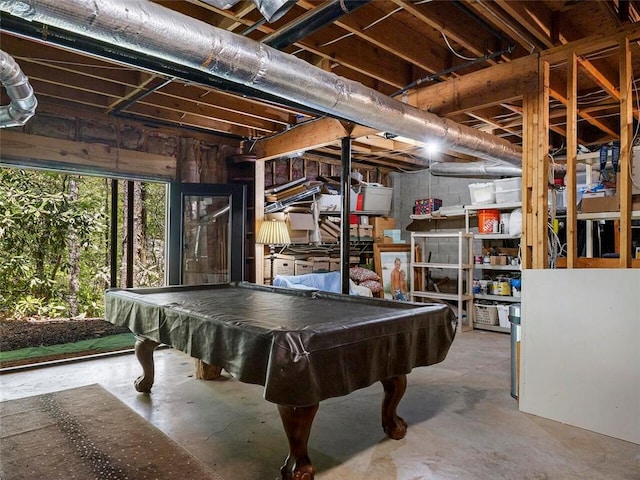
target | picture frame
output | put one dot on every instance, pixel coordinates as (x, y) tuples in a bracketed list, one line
[(384, 257)]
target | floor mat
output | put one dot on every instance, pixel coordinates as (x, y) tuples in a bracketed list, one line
[(86, 433)]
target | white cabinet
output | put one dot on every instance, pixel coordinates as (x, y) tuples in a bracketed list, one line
[(494, 278), (460, 268)]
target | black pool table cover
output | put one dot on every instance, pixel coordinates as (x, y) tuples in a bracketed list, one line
[(302, 346)]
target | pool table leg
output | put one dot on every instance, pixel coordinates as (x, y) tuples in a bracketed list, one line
[(394, 388), (144, 353), (297, 423)]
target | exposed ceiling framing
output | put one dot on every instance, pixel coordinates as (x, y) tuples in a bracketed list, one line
[(477, 58)]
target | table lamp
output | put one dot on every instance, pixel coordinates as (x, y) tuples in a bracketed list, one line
[(273, 231)]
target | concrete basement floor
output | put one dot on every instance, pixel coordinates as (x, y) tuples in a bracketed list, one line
[(463, 424)]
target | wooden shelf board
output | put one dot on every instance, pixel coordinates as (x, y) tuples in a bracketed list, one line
[(496, 298), (442, 296), (492, 328)]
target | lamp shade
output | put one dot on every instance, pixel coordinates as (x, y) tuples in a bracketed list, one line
[(273, 232)]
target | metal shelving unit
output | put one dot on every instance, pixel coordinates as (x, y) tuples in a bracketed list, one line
[(491, 269), (419, 273)]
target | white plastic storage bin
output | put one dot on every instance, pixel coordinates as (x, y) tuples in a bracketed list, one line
[(482, 193), (508, 190), (509, 196), (507, 184), (376, 199)]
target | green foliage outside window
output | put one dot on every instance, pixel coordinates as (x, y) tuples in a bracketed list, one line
[(38, 220)]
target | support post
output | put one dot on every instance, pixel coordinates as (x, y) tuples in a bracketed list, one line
[(346, 210), (113, 247), (572, 158)]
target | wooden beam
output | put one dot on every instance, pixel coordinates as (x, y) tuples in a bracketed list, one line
[(495, 124), (92, 158), (366, 25), (305, 136), (560, 96), (535, 173), (626, 139), (541, 170), (586, 262), (592, 44), (206, 112), (572, 154), (534, 16), (602, 80), (494, 85), (528, 160), (468, 37), (154, 112)]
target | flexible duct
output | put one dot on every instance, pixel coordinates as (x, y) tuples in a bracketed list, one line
[(23, 101), (311, 21), (271, 10), (159, 32), (475, 169)]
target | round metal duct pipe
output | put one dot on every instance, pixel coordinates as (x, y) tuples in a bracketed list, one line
[(475, 169), (159, 32), (23, 101)]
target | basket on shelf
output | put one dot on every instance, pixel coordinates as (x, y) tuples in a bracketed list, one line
[(485, 314)]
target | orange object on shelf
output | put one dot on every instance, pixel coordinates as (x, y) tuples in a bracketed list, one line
[(486, 219)]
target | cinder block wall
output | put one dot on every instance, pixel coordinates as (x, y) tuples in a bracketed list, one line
[(409, 187)]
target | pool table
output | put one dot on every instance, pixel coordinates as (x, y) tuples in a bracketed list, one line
[(302, 346)]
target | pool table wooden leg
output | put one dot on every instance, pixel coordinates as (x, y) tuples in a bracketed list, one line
[(297, 423), (144, 353), (394, 388)]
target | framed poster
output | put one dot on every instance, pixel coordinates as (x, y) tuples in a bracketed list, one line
[(392, 262)]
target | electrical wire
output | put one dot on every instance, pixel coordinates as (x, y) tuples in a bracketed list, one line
[(633, 140), (446, 40), (555, 247)]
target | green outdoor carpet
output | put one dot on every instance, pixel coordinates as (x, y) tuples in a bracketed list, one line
[(94, 345)]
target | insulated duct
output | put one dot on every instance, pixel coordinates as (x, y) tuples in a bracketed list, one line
[(475, 169), (311, 21), (159, 32), (23, 101), (271, 10)]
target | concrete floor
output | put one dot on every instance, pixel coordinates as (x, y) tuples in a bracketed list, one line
[(463, 424)]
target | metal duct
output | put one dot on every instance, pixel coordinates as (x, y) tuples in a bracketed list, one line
[(309, 22), (475, 169), (272, 10), (23, 101), (159, 32), (221, 4)]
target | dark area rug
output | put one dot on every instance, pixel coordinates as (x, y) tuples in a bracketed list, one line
[(87, 433)]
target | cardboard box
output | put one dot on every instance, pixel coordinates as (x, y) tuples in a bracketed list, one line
[(302, 267), (282, 265), (321, 267), (498, 260), (365, 233), (380, 224), (353, 233), (607, 203), (299, 225), (334, 265)]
